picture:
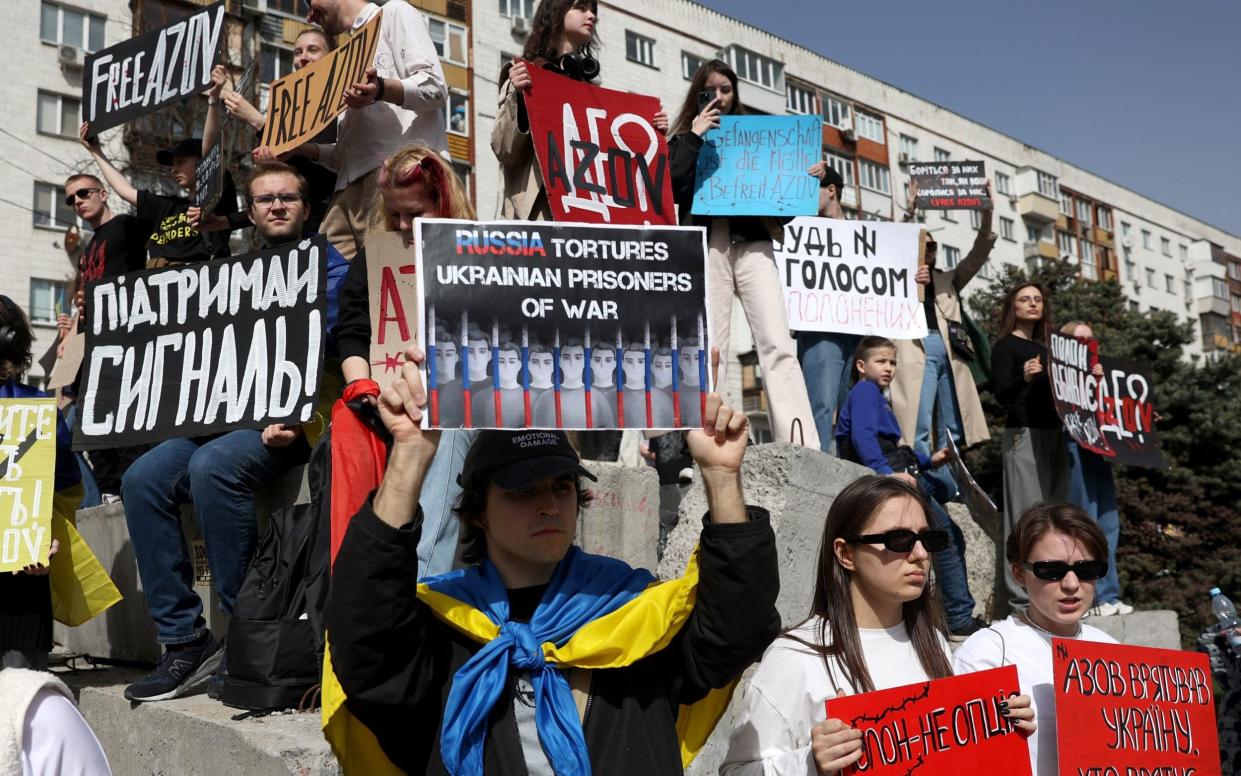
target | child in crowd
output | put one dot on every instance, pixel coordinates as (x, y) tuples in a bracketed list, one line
[(867, 432), (1058, 554), (875, 623)]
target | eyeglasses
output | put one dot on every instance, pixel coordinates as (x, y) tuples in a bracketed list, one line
[(903, 539), (265, 201), (79, 194), (1056, 570)]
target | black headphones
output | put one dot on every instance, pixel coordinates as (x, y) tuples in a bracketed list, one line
[(8, 332), (581, 65)]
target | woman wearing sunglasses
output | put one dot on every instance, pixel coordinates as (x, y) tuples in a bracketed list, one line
[(874, 624), (1058, 554)]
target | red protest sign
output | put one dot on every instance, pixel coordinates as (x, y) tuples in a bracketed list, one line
[(937, 727), (1133, 711), (602, 159)]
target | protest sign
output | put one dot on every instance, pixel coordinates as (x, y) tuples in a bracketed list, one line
[(937, 727), (209, 179), (855, 277), (980, 505), (140, 75), (27, 481), (546, 325), (950, 185), (1111, 415), (204, 348), (756, 166), (393, 288), (1133, 711), (66, 368), (602, 159), (304, 102)]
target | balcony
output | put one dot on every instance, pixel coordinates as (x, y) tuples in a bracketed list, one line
[(1040, 250), (1037, 208)]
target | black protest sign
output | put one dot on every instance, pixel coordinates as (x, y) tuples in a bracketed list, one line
[(608, 321), (1075, 389), (950, 185), (137, 76), (205, 348), (209, 179)]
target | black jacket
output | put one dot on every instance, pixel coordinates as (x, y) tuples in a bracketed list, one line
[(353, 317), (396, 661), (683, 163)]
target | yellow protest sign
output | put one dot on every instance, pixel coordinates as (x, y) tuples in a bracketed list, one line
[(305, 102), (27, 471)]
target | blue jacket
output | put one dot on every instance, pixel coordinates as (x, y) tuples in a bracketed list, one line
[(67, 472), (865, 419)]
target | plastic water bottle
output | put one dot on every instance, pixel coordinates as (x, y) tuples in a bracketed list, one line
[(1226, 613)]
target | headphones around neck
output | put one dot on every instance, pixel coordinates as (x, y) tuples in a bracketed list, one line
[(581, 65)]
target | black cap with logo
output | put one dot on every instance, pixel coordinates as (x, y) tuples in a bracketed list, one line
[(518, 459), (191, 146)]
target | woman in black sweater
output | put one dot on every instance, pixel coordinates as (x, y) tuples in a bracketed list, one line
[(1036, 464)]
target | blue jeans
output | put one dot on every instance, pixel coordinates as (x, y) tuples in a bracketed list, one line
[(950, 563), (1092, 488), (219, 477), (826, 358), (937, 388), (440, 527)]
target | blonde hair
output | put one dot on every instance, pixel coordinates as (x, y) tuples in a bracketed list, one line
[(1070, 327), (419, 164)]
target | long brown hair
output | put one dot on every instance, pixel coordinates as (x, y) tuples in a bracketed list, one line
[(547, 26), (1041, 519), (689, 108), (1008, 316), (833, 603), (416, 163)]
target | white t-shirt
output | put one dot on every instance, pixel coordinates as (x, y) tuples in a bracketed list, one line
[(1014, 642), (785, 697), (56, 740)]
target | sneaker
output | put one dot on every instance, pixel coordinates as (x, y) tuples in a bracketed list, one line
[(965, 631), (1109, 610), (215, 685), (180, 671), (110, 498)]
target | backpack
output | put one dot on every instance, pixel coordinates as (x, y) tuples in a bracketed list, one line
[(275, 635)]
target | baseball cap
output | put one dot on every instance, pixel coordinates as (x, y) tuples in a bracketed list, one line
[(518, 459), (191, 146)]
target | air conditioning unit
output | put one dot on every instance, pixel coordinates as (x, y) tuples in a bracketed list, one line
[(1127, 241), (70, 57), (521, 25), (903, 157), (849, 135), (1137, 285)]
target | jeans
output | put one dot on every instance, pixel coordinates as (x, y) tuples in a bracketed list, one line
[(826, 358), (90, 491), (1091, 487), (218, 476), (937, 389), (440, 528), (950, 563)]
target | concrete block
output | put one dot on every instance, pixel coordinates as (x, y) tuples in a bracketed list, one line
[(1158, 628), (980, 559), (196, 736), (623, 520)]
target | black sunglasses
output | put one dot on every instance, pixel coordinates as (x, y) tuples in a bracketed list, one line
[(1056, 570), (902, 539), (79, 194)]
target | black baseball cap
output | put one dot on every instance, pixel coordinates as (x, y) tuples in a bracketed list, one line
[(518, 459), (191, 146)]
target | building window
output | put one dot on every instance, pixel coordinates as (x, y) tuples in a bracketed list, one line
[(941, 155), (835, 112), (1169, 284), (45, 297), (1146, 239), (274, 62), (458, 109), (288, 7), (50, 210), (1165, 246), (449, 41), (1236, 304), (1047, 185), (1105, 218), (952, 256), (1090, 270), (874, 176), (756, 68), (975, 218), (59, 115), (690, 64), (1064, 243), (842, 165), (518, 8), (1124, 229), (1219, 288), (1066, 203), (1234, 270), (1083, 212), (1134, 306), (70, 27), (1150, 277), (639, 48), (1033, 234), (869, 126), (1006, 229), (800, 99), (1129, 270), (1003, 184), (909, 148), (1183, 250)]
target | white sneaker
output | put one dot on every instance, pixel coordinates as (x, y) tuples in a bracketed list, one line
[(1123, 608), (1109, 610)]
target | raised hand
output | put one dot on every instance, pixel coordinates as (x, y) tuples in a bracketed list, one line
[(218, 76), (708, 119), (720, 444), (401, 405), (1032, 369), (519, 76)]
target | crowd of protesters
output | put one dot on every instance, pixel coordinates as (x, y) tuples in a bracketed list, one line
[(502, 507)]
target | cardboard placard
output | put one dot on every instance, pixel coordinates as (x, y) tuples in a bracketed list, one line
[(950, 185), (27, 481), (756, 166), (856, 277), (204, 348), (1133, 711), (547, 325), (602, 159), (1113, 415), (944, 726), (209, 178), (391, 279), (70, 361), (147, 72), (980, 505), (306, 101)]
